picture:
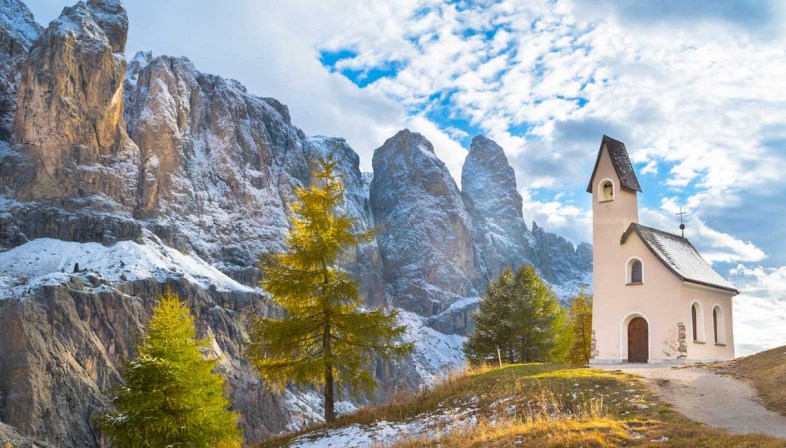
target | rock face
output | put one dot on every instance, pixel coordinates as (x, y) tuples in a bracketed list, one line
[(426, 236), (560, 263), (18, 31), (216, 162), (489, 189), (65, 342), (69, 124), (365, 263), (116, 183)]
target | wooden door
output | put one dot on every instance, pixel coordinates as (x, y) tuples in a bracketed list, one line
[(638, 343)]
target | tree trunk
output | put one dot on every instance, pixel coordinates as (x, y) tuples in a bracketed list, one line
[(330, 398), (330, 413)]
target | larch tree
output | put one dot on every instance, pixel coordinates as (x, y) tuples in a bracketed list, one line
[(171, 396), (580, 328), (326, 337), (519, 319)]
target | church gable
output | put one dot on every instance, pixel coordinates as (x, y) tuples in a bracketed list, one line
[(679, 256), (620, 161)]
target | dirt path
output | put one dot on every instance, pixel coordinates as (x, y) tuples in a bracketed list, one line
[(706, 397)]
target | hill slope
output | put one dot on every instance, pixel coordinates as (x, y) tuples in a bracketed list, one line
[(766, 371), (524, 405)]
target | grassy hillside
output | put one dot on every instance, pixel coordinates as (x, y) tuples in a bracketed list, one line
[(766, 371), (525, 405)]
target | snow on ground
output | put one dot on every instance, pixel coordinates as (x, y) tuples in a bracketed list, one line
[(47, 261), (384, 433), (308, 408), (435, 353)]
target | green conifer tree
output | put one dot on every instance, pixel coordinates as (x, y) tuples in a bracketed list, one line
[(520, 317), (171, 397), (326, 338), (580, 328)]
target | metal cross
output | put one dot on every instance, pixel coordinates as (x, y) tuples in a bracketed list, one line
[(682, 224)]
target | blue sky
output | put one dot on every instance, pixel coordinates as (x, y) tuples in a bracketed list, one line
[(697, 91)]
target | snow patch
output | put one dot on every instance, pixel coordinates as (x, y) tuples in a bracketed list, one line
[(47, 261), (436, 354), (384, 433)]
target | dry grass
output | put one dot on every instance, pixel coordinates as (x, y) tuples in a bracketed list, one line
[(602, 432), (544, 406), (766, 371)]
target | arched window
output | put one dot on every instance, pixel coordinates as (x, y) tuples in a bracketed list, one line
[(693, 319), (635, 272), (697, 322), (606, 192), (718, 325)]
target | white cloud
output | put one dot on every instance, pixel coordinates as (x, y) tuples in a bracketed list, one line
[(567, 220), (760, 311)]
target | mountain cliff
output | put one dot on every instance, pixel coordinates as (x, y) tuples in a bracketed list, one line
[(119, 180), (491, 194), (427, 239), (18, 31)]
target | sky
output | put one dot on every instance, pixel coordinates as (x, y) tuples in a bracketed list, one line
[(696, 90)]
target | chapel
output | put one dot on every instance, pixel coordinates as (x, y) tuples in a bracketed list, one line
[(655, 299)]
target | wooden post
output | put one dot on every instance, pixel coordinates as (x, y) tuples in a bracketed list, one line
[(499, 356)]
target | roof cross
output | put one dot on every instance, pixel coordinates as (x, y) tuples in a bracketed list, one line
[(682, 224)]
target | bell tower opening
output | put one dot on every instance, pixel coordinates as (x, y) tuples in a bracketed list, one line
[(606, 193)]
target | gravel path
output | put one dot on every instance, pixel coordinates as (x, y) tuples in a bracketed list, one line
[(706, 397)]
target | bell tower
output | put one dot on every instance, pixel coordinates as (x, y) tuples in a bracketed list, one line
[(614, 188)]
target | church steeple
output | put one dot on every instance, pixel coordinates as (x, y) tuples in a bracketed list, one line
[(614, 189), (620, 161)]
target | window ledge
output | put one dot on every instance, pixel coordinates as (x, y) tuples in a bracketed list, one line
[(720, 345), (634, 283), (699, 342), (605, 200)]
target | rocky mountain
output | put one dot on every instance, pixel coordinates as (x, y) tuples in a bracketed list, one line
[(491, 195), (426, 237), (18, 31), (118, 180)]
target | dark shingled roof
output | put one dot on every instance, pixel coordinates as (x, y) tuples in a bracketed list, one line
[(620, 160), (679, 255)]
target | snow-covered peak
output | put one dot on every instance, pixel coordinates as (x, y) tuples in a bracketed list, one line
[(491, 195), (138, 63), (17, 23), (490, 181), (426, 239), (95, 24)]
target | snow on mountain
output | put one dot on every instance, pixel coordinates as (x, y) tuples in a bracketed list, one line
[(426, 236), (17, 24), (436, 354), (46, 261), (489, 189), (18, 31)]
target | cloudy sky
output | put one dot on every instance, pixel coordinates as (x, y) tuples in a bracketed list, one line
[(696, 90)]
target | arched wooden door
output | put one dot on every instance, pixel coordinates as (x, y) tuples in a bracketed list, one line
[(638, 340)]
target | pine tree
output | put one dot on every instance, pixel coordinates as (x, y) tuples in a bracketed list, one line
[(171, 397), (326, 338), (520, 317), (494, 328), (580, 328)]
